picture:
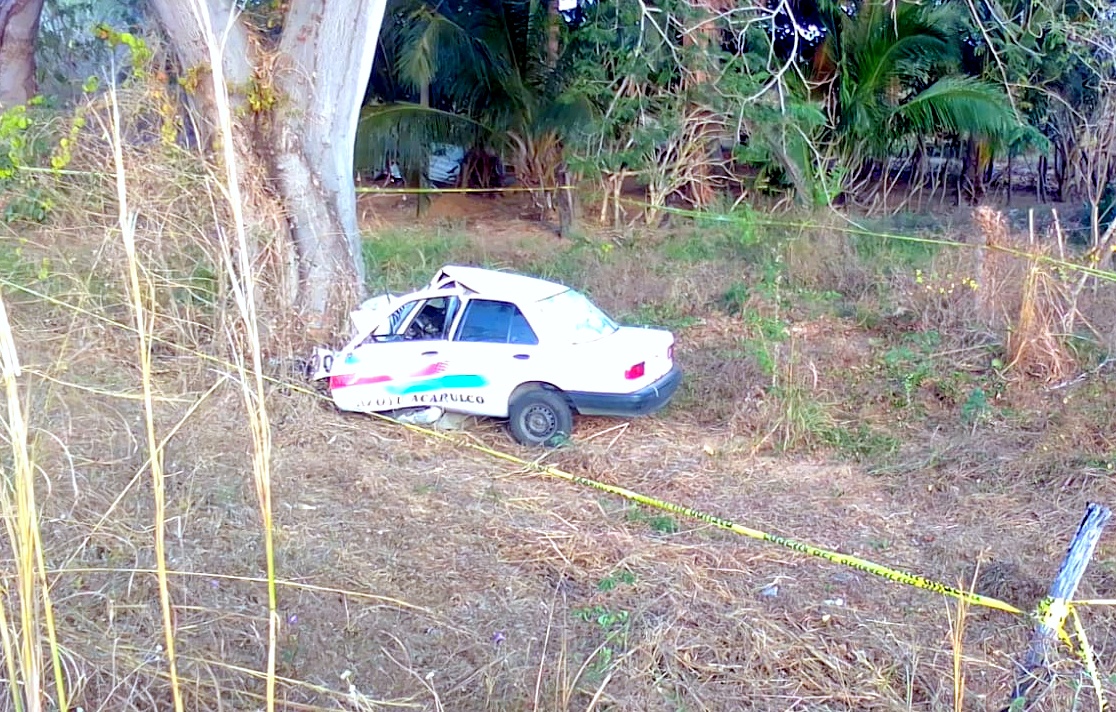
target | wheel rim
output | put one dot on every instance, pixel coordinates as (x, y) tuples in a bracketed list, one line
[(540, 422)]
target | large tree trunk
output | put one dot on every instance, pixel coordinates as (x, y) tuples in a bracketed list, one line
[(19, 29), (295, 140)]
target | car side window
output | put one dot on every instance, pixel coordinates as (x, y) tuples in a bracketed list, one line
[(395, 323), (493, 322), (432, 321)]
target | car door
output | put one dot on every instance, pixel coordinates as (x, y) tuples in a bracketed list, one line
[(400, 362), (496, 342)]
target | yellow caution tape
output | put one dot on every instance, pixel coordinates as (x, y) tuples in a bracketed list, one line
[(871, 567), (1088, 659), (855, 562)]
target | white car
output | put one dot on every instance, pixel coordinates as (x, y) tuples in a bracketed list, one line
[(488, 343)]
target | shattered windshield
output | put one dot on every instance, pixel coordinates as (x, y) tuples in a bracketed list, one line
[(573, 318)]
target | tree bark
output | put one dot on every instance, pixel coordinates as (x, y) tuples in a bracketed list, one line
[(19, 30), (553, 32), (299, 101)]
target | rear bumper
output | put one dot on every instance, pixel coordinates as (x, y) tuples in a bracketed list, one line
[(642, 402)]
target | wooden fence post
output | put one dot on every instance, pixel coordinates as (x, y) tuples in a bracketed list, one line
[(1054, 609)]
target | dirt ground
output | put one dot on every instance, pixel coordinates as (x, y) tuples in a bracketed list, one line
[(418, 573)]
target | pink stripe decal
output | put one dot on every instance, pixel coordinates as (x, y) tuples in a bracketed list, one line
[(432, 370), (353, 379)]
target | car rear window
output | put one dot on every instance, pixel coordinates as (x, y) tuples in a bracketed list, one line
[(495, 323), (575, 319)]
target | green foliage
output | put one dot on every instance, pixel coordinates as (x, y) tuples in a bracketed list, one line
[(890, 256), (976, 408), (616, 625), (612, 581), (15, 141), (405, 259), (138, 51), (31, 205), (475, 75), (661, 523), (900, 77), (198, 286), (26, 144), (71, 47), (36, 272), (664, 315), (861, 443), (802, 421), (639, 75), (909, 366), (735, 297)]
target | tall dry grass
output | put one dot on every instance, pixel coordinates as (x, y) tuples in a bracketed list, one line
[(143, 272), (379, 512), (24, 647), (141, 300), (238, 266)]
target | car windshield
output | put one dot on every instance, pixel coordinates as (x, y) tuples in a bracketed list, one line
[(573, 318)]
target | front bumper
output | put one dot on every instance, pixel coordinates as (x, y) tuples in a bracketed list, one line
[(642, 402)]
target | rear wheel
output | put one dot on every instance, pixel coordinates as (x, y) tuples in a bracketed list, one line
[(540, 417)]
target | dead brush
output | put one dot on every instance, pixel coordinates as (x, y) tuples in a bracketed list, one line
[(998, 273), (823, 259), (1035, 347), (944, 297), (175, 232), (799, 418), (181, 215), (1018, 292)]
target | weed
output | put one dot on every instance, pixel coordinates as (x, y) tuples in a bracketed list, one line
[(802, 421), (879, 544), (568, 266), (198, 287), (691, 247), (891, 256), (768, 328), (734, 298), (661, 523), (910, 364), (668, 315), (1087, 352), (975, 409), (612, 581), (862, 443), (763, 344), (616, 625), (32, 206)]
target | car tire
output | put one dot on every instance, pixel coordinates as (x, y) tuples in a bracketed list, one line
[(540, 417)]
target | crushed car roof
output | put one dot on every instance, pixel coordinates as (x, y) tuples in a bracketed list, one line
[(492, 283)]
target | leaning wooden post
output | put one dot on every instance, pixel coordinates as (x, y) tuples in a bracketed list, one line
[(1053, 609)]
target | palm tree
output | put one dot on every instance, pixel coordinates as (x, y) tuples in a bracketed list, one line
[(485, 75), (898, 81)]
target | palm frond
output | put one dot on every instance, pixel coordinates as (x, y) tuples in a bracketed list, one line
[(435, 45), (404, 133), (960, 105)]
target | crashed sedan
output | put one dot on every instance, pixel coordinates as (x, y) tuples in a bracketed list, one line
[(490, 343)]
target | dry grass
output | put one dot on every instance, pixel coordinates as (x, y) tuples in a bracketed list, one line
[(409, 573)]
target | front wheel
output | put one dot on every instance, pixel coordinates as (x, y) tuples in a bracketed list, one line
[(540, 417)]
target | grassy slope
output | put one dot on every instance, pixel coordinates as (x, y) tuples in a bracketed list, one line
[(846, 392)]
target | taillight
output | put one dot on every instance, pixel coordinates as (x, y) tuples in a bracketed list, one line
[(636, 371), (670, 352)]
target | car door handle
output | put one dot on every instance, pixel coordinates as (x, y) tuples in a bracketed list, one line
[(429, 353), (522, 357)]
